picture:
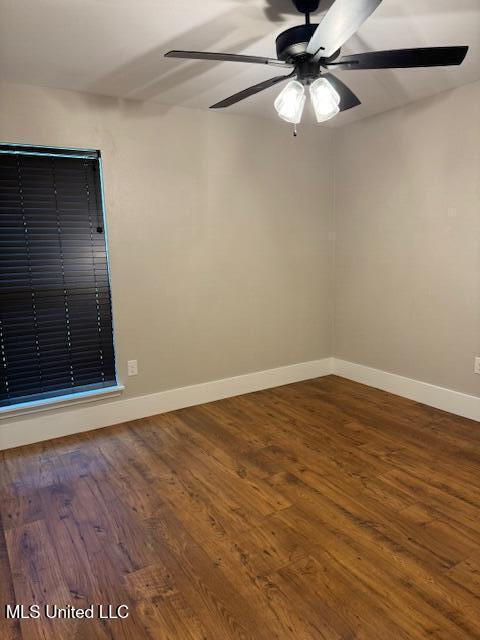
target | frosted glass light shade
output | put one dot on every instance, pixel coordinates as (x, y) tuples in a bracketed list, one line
[(291, 101), (325, 99)]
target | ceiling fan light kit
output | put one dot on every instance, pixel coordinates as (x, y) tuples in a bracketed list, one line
[(291, 101), (309, 51)]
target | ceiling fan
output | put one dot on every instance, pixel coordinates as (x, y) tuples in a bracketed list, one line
[(308, 49)]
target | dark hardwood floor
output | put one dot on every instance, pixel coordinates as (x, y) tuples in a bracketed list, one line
[(319, 510)]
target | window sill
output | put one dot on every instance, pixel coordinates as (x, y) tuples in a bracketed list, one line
[(59, 402)]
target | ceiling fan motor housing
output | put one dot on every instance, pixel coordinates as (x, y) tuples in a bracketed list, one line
[(291, 47), (293, 42)]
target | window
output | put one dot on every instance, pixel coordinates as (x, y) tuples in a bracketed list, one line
[(56, 333)]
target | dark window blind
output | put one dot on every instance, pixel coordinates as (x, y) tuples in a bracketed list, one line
[(55, 309)]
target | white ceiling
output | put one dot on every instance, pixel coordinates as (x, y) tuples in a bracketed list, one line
[(116, 47)]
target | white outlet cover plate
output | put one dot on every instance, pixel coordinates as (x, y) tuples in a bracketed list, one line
[(132, 367)]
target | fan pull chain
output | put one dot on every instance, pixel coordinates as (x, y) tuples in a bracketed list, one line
[(295, 133)]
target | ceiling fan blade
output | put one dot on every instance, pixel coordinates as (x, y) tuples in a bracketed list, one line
[(348, 99), (403, 58), (246, 93), (226, 57), (341, 21)]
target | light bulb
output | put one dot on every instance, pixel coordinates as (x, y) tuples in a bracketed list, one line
[(325, 99), (290, 102)]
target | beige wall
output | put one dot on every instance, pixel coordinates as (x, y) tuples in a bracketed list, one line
[(221, 265), (407, 205)]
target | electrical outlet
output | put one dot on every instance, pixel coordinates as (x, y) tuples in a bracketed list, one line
[(132, 367), (476, 365)]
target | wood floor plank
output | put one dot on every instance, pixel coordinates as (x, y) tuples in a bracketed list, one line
[(339, 598), (322, 510), (38, 578), (9, 629)]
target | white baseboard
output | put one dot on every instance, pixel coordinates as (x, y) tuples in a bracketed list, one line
[(36, 427), (439, 397)]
